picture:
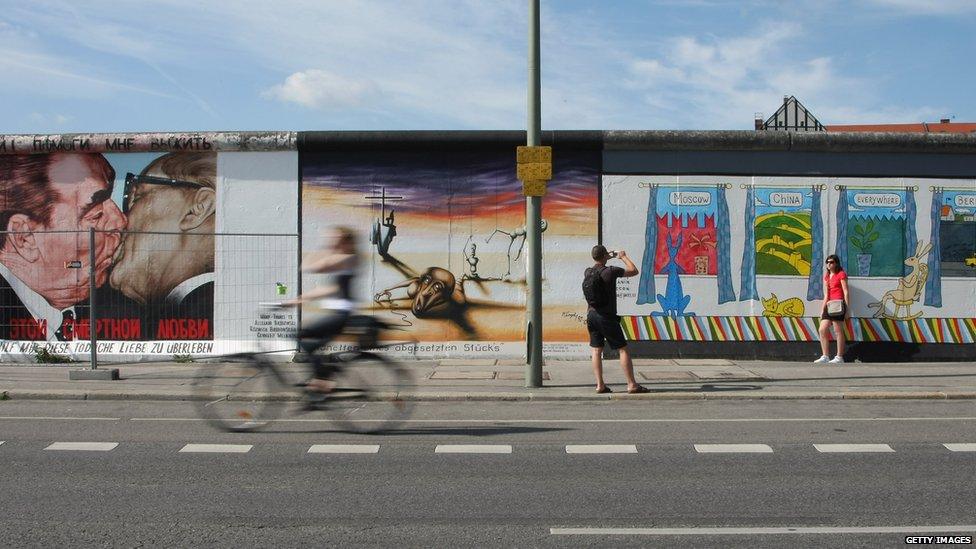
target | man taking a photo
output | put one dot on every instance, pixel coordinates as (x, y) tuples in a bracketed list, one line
[(602, 322)]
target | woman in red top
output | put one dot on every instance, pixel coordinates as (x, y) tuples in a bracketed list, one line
[(835, 288)]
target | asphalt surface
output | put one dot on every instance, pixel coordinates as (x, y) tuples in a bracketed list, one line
[(147, 492), (501, 380)]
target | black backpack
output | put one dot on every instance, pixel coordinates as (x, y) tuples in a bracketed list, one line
[(595, 288)]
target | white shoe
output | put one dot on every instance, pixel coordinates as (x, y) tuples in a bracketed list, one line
[(837, 360), (822, 360)]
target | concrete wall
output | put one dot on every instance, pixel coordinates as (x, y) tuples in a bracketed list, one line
[(748, 216)]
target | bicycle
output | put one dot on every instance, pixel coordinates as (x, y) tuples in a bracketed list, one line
[(249, 391)]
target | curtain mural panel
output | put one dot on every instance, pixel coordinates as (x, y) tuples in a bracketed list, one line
[(783, 229)]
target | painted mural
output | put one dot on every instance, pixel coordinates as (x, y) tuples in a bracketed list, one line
[(155, 216), (783, 231), (901, 262), (446, 234)]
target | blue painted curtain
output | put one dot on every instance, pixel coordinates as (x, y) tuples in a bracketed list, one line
[(933, 287), (724, 252), (747, 279), (911, 240), (815, 278), (842, 217), (645, 288)]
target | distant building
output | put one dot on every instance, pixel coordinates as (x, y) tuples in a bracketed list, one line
[(792, 116)]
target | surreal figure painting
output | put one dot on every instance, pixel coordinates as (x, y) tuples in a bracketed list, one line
[(447, 235)]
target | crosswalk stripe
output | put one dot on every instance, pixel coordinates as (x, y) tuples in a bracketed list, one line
[(961, 447), (852, 448), (601, 449), (217, 448), (83, 446), (473, 449), (344, 449), (733, 449)]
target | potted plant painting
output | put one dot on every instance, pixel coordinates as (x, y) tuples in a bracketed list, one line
[(863, 239)]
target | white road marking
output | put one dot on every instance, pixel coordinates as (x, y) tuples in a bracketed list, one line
[(217, 448), (581, 420), (601, 449), (745, 531), (852, 448), (961, 447), (55, 418), (83, 446), (473, 449), (733, 449), (344, 449)]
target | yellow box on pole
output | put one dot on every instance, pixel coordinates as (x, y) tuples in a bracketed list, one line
[(534, 171), (525, 154), (534, 168), (534, 187)]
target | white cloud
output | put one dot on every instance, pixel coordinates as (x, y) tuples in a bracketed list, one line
[(717, 82), (321, 89), (55, 119), (928, 7)]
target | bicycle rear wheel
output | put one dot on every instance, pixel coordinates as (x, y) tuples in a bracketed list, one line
[(240, 396), (366, 398)]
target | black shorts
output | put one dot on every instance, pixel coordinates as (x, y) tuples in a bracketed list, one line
[(605, 329), (839, 317)]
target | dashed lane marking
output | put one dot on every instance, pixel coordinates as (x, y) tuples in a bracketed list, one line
[(83, 446), (733, 449), (473, 449), (344, 449), (961, 447), (852, 448), (745, 531), (56, 418), (601, 449), (216, 448)]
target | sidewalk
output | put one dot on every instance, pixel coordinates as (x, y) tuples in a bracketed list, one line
[(503, 380)]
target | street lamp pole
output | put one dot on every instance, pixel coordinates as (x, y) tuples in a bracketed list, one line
[(533, 212)]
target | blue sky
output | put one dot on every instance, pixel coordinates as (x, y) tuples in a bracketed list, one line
[(183, 65)]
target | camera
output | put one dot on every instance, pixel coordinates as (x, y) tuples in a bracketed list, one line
[(613, 254)]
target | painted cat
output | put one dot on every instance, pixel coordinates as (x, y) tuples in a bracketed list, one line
[(788, 307)]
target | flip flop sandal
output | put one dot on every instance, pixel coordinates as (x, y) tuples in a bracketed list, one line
[(604, 390), (639, 389)]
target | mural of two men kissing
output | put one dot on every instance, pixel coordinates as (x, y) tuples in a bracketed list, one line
[(154, 247)]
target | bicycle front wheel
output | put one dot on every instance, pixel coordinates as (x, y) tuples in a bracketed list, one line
[(240, 396), (366, 398)]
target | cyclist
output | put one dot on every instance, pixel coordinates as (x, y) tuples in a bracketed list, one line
[(341, 260)]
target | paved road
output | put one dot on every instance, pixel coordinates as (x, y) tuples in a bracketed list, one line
[(547, 474)]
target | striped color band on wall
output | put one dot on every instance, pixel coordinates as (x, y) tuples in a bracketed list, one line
[(734, 328)]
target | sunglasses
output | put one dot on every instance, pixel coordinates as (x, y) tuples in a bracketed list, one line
[(133, 179)]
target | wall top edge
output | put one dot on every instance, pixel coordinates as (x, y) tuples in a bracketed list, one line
[(610, 140), (768, 141), (262, 141)]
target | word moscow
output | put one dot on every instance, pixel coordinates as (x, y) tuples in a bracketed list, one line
[(939, 540)]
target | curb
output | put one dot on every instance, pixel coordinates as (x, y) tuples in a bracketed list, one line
[(14, 394)]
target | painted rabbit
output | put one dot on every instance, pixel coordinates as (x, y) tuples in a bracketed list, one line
[(673, 302), (909, 288)]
